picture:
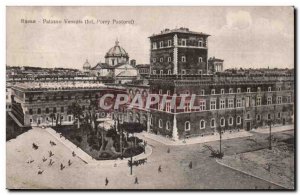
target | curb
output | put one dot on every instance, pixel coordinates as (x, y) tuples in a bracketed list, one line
[(93, 161), (252, 175)]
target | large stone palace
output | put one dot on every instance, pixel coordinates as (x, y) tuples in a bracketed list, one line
[(179, 64)]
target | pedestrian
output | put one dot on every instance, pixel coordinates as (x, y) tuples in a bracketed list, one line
[(136, 181), (61, 166), (106, 181), (73, 154), (159, 169), (191, 165), (69, 163), (168, 151)]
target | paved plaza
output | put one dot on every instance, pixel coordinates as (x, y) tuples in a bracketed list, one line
[(176, 173)]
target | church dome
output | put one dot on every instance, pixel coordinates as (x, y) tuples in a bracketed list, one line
[(86, 65), (116, 51)]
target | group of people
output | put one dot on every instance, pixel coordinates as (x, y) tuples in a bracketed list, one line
[(51, 162)]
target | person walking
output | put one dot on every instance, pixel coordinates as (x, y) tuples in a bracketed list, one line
[(106, 181), (136, 181), (159, 169)]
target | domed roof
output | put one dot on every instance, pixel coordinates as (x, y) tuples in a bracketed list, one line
[(116, 51), (86, 65)]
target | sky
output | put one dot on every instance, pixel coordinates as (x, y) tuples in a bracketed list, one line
[(245, 37)]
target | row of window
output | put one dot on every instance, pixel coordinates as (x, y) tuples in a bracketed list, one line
[(69, 97), (169, 72), (169, 59), (187, 124), (230, 91), (181, 42), (230, 103), (54, 110)]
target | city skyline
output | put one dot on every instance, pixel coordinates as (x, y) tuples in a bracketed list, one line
[(245, 37)]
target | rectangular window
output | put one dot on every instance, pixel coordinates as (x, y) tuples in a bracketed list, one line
[(203, 105), (238, 90), (183, 72), (247, 102), (288, 99), (222, 91), (279, 100), (154, 46), (30, 120), (39, 111), (200, 72), (248, 90), (30, 111), (279, 89), (212, 104), (279, 115), (54, 109), (169, 72), (238, 120), (222, 104), (200, 59), (230, 90), (238, 103), (160, 91), (153, 59), (154, 71), (269, 89), (269, 100), (258, 101), (187, 107), (183, 42), (168, 107), (269, 116), (169, 59), (169, 43), (161, 44), (161, 59), (230, 103), (161, 72), (168, 92)]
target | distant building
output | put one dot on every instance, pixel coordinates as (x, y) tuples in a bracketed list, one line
[(215, 65)]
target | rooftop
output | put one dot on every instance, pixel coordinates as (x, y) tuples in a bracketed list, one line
[(179, 30), (50, 86)]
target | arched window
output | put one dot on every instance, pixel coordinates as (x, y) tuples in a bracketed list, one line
[(222, 122), (213, 123), (160, 123), (187, 126), (202, 124), (238, 120), (168, 126)]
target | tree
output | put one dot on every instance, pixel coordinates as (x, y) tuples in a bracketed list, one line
[(132, 128), (52, 116), (77, 111)]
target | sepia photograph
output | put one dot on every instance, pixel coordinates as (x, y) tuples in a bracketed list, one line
[(150, 98)]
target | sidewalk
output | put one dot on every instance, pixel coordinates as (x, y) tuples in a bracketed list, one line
[(87, 158), (274, 129), (194, 140)]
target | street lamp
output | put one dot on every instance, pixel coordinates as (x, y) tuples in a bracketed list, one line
[(270, 135)]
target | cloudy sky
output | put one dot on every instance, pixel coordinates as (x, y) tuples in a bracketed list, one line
[(242, 36)]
